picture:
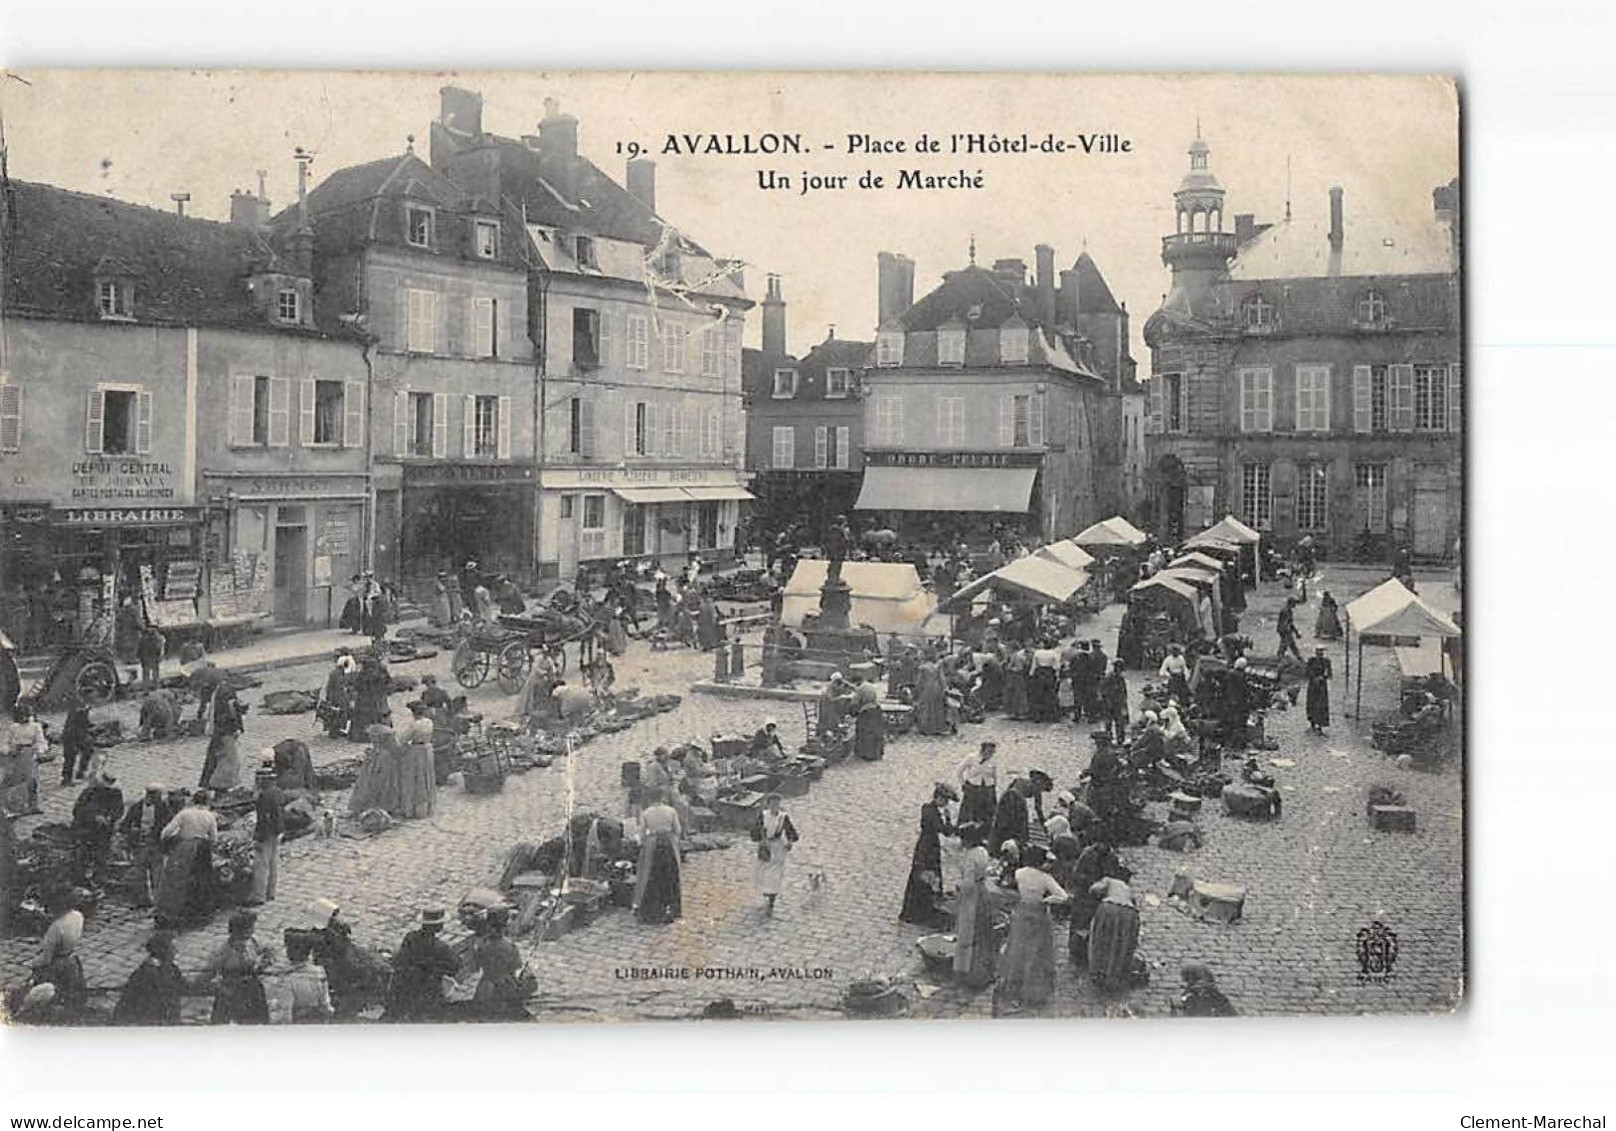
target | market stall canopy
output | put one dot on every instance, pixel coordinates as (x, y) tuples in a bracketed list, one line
[(1000, 489), (1390, 609), (887, 596), (1194, 561), (1067, 553), (1114, 531), (1035, 577), (1230, 529)]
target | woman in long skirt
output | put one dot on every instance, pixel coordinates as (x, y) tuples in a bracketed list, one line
[(441, 617), (417, 780), (238, 966), (225, 756), (1328, 624), (380, 784), (979, 791), (925, 887), (370, 707), (1027, 970), (1114, 935), (185, 894), (657, 889), (931, 700), (869, 726), (1094, 863), (1016, 669), (1318, 691), (975, 952), (774, 834)]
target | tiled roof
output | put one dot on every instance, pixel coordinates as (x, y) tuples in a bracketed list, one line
[(977, 296), (1093, 294), (1300, 248), (185, 271)]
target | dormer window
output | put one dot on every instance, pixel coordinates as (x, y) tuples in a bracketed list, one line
[(950, 347), (115, 298), (1013, 345), (1256, 313), (418, 226), (785, 384), (838, 383), (584, 251), (1372, 309), (288, 308), (889, 349), (486, 238), (667, 263)]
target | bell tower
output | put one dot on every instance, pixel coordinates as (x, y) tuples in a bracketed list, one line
[(1199, 250)]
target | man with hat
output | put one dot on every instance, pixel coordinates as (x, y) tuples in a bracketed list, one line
[(834, 703), (142, 827), (422, 962), (95, 815), (1114, 701), (269, 825)]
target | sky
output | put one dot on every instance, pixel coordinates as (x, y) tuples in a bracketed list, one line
[(140, 136)]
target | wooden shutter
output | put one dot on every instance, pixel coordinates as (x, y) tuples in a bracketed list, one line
[(1248, 400), (1265, 415), (1400, 413), (629, 417), (485, 343), (942, 420), (821, 447), (306, 410), (1455, 397), (10, 417), (401, 423), (1007, 421), (689, 432), (503, 451), (843, 438), (586, 428), (241, 409), (668, 415), (353, 414), (280, 412), (604, 336), (143, 423), (1035, 420), (94, 421), (711, 442), (653, 428), (1363, 404), (1321, 397), (440, 425), (468, 426), (1153, 422)]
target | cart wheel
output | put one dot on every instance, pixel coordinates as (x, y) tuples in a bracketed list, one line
[(514, 662), (472, 669), (96, 683)]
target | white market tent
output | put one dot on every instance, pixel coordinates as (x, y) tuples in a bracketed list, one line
[(1389, 612), (1114, 531), (1231, 531), (1067, 553), (1032, 576), (887, 596)]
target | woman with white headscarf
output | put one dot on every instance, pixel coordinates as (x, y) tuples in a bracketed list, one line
[(1174, 734)]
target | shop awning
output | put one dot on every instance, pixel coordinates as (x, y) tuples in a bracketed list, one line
[(651, 494), (1005, 490), (1038, 578), (719, 494)]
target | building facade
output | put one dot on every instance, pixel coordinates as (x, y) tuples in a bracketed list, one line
[(804, 424), (986, 404), (1306, 376), (435, 279), (154, 363), (636, 330)]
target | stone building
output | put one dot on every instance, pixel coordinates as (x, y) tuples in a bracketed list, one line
[(1306, 375), (987, 401), (637, 339), (164, 390), (804, 423)]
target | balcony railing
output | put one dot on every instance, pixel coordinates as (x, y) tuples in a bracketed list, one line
[(1226, 242)]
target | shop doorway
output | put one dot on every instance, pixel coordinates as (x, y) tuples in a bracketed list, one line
[(291, 581), (568, 537), (706, 526)]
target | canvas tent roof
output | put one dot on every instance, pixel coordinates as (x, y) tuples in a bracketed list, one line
[(1194, 560), (1067, 553), (1035, 577), (887, 596), (1390, 609), (1230, 529), (1113, 531), (1172, 585)]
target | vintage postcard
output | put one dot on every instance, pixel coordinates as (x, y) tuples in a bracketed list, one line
[(557, 546)]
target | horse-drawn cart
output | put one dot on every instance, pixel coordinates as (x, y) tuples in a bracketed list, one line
[(89, 672)]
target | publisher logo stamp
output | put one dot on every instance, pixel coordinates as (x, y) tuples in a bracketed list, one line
[(1377, 953)]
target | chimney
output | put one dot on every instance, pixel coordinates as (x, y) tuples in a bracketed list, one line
[(895, 288), (1044, 258), (1068, 297), (558, 149), (1012, 271), (1337, 233), (248, 210), (1445, 200), (302, 242), (461, 110), (640, 180), (180, 199), (1245, 226), (774, 320)]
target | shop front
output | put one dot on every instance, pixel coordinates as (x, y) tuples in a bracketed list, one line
[(286, 545), (957, 495), (451, 513), (663, 515)]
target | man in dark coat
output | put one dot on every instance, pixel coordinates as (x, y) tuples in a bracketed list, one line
[(1114, 702), (422, 962), (1236, 706), (152, 994), (142, 827), (1318, 691), (76, 745), (1286, 628), (1010, 818), (1098, 665), (95, 815)]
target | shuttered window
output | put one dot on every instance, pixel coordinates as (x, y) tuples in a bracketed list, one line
[(422, 321), (843, 439), (10, 417), (1312, 398), (1257, 399), (785, 448), (637, 342), (1400, 414)]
